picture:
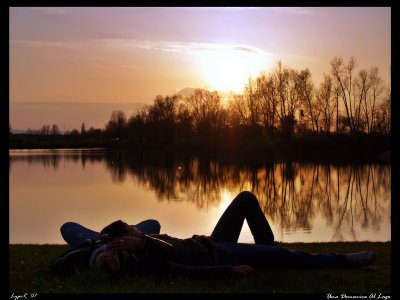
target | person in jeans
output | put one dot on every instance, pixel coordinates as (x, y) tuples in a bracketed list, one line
[(141, 247)]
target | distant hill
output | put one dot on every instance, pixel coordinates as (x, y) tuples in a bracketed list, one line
[(189, 91), (186, 92)]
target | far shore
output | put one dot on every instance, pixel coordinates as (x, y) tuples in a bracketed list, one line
[(334, 148)]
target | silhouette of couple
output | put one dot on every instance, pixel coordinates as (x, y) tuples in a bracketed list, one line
[(141, 248)]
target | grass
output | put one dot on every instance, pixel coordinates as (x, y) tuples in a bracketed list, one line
[(30, 273)]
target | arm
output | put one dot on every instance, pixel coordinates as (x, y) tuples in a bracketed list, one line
[(145, 243)]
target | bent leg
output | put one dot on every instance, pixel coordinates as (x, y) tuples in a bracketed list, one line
[(149, 226), (74, 233), (244, 206)]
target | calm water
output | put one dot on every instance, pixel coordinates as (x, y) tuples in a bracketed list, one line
[(303, 202)]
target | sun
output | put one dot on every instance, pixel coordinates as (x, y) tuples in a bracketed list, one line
[(227, 68)]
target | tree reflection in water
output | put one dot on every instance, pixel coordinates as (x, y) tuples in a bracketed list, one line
[(291, 194)]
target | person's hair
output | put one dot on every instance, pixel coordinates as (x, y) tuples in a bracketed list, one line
[(115, 229)]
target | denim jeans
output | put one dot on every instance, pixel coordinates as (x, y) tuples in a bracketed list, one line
[(74, 233), (265, 252)]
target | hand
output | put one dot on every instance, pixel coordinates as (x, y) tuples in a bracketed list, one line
[(243, 270), (128, 243), (133, 231), (203, 238)]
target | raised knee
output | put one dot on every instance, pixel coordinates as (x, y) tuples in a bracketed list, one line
[(247, 195), (67, 226), (246, 198), (156, 224)]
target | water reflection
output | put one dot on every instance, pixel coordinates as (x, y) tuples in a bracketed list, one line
[(293, 195), (53, 157)]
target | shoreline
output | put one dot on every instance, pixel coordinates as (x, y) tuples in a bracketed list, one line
[(334, 148)]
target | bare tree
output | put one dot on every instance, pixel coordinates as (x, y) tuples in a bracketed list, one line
[(309, 102), (343, 76), (205, 108), (45, 130), (83, 129), (362, 84), (116, 125), (55, 130), (377, 89), (162, 117), (136, 125), (267, 94), (383, 116), (326, 100), (288, 98)]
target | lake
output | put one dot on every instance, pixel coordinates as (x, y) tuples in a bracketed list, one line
[(304, 202)]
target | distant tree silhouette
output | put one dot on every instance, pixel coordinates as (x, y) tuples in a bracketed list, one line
[(45, 130), (267, 95), (311, 107), (289, 98), (371, 102), (74, 132), (206, 111), (83, 129), (162, 117), (55, 130), (343, 75), (136, 125), (280, 103), (184, 126), (116, 125)]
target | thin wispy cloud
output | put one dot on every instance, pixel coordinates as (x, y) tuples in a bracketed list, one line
[(246, 49), (179, 46)]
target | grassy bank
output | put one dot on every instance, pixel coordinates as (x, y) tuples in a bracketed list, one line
[(30, 272)]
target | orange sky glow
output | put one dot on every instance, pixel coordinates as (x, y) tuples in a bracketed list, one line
[(130, 55)]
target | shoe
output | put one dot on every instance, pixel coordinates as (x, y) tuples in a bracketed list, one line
[(361, 258)]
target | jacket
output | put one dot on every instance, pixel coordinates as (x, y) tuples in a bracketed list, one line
[(166, 254)]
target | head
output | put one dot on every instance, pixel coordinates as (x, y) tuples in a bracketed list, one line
[(118, 229), (108, 259)]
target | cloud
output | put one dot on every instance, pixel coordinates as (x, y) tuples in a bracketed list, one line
[(246, 49), (164, 46), (179, 46)]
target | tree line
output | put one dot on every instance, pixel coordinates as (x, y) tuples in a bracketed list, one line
[(282, 103)]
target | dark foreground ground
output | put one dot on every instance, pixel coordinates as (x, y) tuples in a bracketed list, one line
[(30, 272)]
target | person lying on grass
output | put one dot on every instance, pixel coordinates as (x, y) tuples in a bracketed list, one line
[(141, 248)]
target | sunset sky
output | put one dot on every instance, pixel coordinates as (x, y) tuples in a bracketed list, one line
[(126, 55)]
